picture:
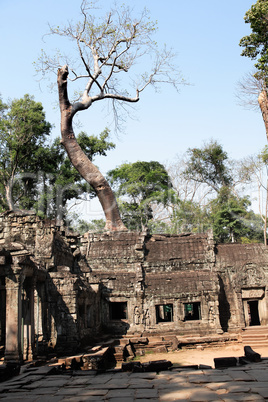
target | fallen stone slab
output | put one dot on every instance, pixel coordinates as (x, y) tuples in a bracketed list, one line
[(101, 360), (152, 366), (204, 367), (158, 365), (178, 367), (138, 341), (251, 355), (242, 360), (132, 366), (161, 349), (225, 362)]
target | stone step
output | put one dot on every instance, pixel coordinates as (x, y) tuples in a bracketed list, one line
[(249, 340), (256, 329), (257, 344), (155, 349), (255, 336), (119, 357), (251, 333), (154, 339)]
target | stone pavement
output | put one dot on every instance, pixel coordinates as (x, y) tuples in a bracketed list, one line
[(240, 383)]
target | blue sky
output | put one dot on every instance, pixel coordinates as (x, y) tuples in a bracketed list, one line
[(205, 35)]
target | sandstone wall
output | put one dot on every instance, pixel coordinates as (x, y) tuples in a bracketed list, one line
[(72, 288)]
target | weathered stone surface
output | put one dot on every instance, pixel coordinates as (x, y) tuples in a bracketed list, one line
[(65, 290)]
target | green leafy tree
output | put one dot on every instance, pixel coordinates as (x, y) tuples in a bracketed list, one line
[(82, 226), (209, 165), (139, 186), (227, 213), (34, 173), (255, 46), (231, 219), (23, 131), (254, 172), (189, 216)]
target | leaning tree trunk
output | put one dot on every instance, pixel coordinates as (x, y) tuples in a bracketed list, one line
[(81, 162), (263, 102), (9, 197)]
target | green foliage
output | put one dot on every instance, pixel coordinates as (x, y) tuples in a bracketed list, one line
[(256, 44), (139, 186), (34, 173), (231, 219), (61, 181), (209, 165), (93, 145), (189, 216), (23, 131), (82, 226), (263, 156)]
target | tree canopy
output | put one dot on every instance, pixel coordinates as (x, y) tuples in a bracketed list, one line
[(231, 220), (209, 165), (256, 48), (23, 131), (138, 187), (36, 173), (256, 44)]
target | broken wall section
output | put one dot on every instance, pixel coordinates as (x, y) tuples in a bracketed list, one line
[(56, 298)]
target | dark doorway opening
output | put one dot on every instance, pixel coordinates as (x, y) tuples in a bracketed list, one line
[(192, 311), (253, 312), (118, 310), (164, 313)]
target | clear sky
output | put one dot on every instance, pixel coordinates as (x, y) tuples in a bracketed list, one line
[(205, 35)]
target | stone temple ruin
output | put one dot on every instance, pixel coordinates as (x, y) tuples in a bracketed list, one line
[(60, 291)]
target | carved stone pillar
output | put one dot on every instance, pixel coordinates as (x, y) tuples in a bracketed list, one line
[(13, 353), (31, 326)]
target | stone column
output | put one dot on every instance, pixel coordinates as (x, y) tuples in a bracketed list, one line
[(13, 352), (31, 343)]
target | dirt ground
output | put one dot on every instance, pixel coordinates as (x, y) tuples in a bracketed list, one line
[(202, 356)]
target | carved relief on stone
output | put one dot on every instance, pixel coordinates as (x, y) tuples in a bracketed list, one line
[(211, 312), (146, 318), (137, 315), (251, 276), (252, 293)]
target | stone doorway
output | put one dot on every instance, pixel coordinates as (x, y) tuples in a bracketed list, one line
[(254, 305), (253, 312)]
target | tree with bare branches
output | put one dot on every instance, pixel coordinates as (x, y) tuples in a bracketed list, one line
[(108, 51), (254, 172)]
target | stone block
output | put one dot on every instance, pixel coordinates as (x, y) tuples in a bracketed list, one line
[(132, 366), (225, 362), (161, 349), (139, 341), (158, 365), (251, 355)]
